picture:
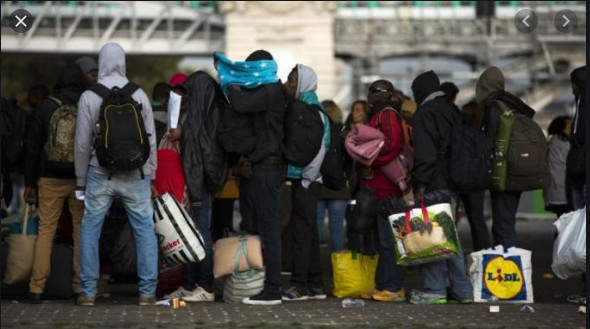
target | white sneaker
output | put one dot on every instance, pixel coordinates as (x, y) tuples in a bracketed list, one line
[(199, 295), (178, 293)]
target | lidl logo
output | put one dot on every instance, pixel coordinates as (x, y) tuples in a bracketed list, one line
[(503, 278)]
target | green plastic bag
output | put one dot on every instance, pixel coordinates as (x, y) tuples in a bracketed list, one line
[(500, 166)]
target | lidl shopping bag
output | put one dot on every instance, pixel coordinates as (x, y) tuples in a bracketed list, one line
[(425, 234), (21, 251), (179, 239), (354, 273), (569, 249), (500, 273)]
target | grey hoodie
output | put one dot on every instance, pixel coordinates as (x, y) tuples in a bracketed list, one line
[(111, 73)]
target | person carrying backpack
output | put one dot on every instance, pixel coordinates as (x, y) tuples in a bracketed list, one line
[(50, 173), (115, 156), (256, 95), (382, 116), (432, 128), (306, 280), (500, 105)]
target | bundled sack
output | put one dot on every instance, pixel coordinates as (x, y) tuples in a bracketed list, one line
[(21, 251), (237, 254), (569, 249), (242, 284), (504, 274), (353, 273), (425, 234), (179, 239)]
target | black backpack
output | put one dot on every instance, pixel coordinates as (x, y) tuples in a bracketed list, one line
[(470, 158), (333, 168), (123, 143), (237, 132), (14, 128), (304, 133)]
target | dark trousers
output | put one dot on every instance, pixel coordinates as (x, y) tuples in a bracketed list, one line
[(307, 267), (259, 204), (222, 215), (389, 275), (201, 273), (504, 208), (473, 203)]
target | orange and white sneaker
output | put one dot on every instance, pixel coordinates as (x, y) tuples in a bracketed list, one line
[(390, 296), (368, 294)]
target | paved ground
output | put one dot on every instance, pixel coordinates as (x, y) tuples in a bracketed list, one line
[(120, 311)]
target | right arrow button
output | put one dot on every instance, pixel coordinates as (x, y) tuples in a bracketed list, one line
[(565, 21)]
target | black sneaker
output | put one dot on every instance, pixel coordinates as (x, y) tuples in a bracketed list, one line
[(263, 298), (32, 298), (316, 293), (294, 294)]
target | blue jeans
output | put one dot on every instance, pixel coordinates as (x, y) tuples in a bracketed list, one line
[(389, 275), (201, 273), (578, 196), (433, 274), (336, 211), (135, 195)]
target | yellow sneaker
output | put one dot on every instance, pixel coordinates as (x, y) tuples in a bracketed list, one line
[(368, 295), (389, 296)]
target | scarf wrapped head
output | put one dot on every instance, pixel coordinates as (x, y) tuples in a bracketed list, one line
[(248, 74), (307, 84)]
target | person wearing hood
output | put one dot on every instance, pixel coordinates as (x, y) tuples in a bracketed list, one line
[(432, 127), (98, 186), (259, 96), (49, 170), (472, 201), (205, 166), (90, 70), (576, 160), (306, 280), (383, 102), (493, 100)]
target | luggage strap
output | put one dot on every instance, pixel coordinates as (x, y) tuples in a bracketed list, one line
[(242, 250)]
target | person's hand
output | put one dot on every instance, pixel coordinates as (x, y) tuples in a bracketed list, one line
[(80, 192), (175, 134), (30, 195), (419, 194), (155, 193)]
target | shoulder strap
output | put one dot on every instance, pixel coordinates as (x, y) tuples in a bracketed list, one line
[(55, 100), (101, 90), (130, 88)]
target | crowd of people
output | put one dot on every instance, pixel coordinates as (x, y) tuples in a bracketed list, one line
[(231, 133)]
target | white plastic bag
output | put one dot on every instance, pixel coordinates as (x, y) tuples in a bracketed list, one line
[(501, 273), (180, 240), (569, 249)]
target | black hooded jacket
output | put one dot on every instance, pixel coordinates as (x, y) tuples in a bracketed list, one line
[(431, 133), (203, 159), (266, 104), (68, 89)]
